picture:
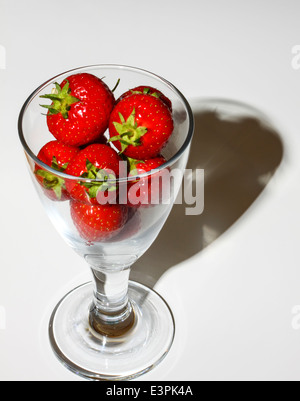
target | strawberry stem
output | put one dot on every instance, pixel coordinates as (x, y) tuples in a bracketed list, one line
[(117, 84), (61, 100), (129, 131), (133, 163), (94, 173), (52, 182)]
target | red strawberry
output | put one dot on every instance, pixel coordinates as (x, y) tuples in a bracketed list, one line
[(102, 140), (56, 155), (80, 110), (145, 191), (98, 223), (138, 167), (140, 126), (95, 162), (147, 90), (132, 227)]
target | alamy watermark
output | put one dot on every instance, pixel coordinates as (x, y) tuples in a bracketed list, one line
[(167, 186), (296, 317), (2, 318), (2, 57), (192, 192), (296, 57)]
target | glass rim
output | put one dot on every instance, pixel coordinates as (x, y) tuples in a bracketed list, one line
[(65, 176)]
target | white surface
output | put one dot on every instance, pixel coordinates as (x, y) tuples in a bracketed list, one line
[(233, 301)]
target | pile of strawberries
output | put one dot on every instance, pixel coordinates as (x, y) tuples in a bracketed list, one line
[(82, 111)]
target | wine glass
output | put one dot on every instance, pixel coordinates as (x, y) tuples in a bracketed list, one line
[(111, 328)]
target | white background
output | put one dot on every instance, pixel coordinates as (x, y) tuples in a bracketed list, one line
[(235, 301)]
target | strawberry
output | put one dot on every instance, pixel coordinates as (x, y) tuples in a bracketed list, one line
[(147, 90), (138, 167), (95, 162), (145, 191), (80, 109), (56, 155), (140, 126), (132, 227), (102, 140), (98, 223)]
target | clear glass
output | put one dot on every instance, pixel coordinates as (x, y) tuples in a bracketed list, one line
[(112, 328)]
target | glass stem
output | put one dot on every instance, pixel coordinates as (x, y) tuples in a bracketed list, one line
[(111, 313)]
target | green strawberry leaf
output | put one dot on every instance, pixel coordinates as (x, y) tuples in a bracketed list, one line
[(94, 173), (61, 100), (130, 133), (51, 182)]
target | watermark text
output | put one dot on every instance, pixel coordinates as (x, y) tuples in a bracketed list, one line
[(2, 57), (296, 57), (2, 318), (296, 317), (162, 187)]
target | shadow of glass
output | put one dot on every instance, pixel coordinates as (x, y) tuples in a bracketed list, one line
[(239, 150)]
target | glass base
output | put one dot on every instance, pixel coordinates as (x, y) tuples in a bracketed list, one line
[(97, 357)]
